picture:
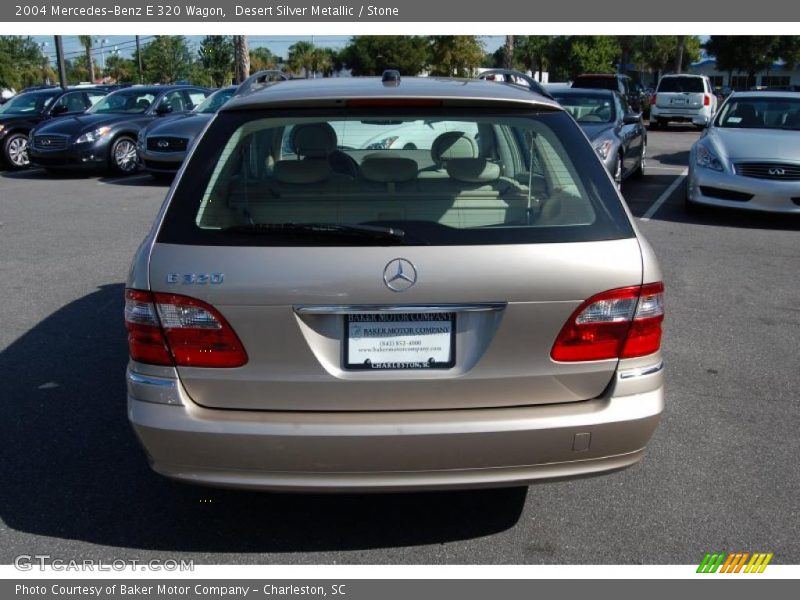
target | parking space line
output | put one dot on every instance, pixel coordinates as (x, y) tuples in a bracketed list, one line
[(660, 168), (123, 178), (665, 195)]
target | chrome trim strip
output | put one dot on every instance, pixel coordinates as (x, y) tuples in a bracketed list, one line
[(641, 372), (148, 380), (394, 308)]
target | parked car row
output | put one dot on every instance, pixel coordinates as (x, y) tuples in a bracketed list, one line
[(29, 109), (102, 127)]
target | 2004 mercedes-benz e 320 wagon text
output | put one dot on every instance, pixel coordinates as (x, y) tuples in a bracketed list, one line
[(364, 285)]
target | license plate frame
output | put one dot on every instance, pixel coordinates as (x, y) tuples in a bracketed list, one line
[(391, 321)]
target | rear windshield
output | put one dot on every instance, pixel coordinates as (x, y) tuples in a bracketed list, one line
[(377, 178), (596, 83), (589, 108), (681, 84)]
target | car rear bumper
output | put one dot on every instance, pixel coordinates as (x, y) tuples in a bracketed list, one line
[(387, 451), (713, 188), (698, 116)]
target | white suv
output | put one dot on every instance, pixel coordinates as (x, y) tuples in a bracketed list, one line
[(685, 98)]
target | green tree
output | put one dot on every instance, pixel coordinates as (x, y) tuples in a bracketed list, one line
[(216, 58), (166, 59), (373, 54), (456, 55), (120, 69), (86, 42), (262, 59), (533, 52), (789, 50), (22, 63), (499, 59), (77, 69), (657, 53), (301, 58), (199, 75)]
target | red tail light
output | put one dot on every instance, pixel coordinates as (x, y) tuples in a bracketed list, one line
[(621, 323), (168, 329), (653, 99), (706, 100)]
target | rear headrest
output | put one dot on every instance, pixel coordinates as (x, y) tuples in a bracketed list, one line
[(311, 170), (453, 144), (472, 170), (314, 140), (388, 169)]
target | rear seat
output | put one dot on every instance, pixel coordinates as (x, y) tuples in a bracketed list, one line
[(449, 146)]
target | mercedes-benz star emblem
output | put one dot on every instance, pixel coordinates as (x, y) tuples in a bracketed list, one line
[(399, 275)]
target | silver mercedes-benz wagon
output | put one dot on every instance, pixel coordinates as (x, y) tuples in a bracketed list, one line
[(358, 284)]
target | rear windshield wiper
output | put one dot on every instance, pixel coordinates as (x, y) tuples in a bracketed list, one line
[(368, 232)]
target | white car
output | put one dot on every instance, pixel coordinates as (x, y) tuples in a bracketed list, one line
[(683, 98)]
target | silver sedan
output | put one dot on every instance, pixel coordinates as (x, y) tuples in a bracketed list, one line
[(749, 156)]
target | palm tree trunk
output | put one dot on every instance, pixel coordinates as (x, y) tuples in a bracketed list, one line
[(242, 57), (508, 55), (679, 53)]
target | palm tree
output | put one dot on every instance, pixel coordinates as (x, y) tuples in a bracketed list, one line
[(86, 42), (301, 57)]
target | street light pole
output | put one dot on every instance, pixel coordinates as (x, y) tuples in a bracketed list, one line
[(102, 52)]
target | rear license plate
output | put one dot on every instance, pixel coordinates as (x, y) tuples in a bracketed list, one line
[(679, 101), (392, 341)]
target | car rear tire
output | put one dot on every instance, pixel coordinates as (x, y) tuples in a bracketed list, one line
[(15, 151), (122, 156)]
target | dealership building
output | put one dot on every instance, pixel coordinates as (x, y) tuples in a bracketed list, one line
[(779, 74)]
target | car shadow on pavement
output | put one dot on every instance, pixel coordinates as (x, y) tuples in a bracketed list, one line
[(679, 159), (135, 179), (73, 469)]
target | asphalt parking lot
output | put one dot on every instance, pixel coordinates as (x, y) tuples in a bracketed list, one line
[(720, 474)]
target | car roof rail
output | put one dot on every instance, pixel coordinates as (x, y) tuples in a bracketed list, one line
[(259, 80), (509, 76)]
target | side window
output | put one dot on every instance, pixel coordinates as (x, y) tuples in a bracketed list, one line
[(70, 103), (175, 100), (625, 107), (93, 98), (195, 97)]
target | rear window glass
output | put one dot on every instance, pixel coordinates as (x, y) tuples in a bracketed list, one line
[(304, 179), (597, 83), (681, 84), (588, 108)]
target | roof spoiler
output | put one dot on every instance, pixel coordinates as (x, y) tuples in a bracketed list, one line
[(513, 77), (258, 80)]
